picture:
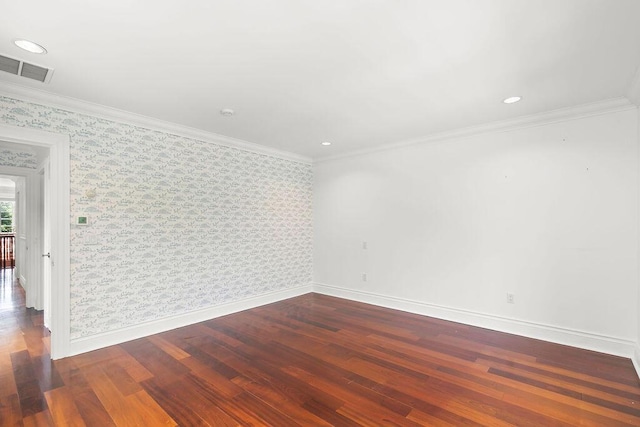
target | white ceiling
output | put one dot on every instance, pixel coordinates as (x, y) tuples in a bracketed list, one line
[(358, 73)]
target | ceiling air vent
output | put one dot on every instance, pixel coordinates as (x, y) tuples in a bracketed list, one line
[(24, 69)]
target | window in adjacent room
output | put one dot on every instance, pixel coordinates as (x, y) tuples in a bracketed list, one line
[(6, 217)]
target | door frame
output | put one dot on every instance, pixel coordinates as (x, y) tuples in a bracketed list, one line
[(59, 155)]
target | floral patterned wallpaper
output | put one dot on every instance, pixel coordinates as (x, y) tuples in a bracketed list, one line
[(175, 224), (18, 159)]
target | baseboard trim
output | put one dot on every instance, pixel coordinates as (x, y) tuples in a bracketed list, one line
[(636, 359), (565, 336), (95, 342)]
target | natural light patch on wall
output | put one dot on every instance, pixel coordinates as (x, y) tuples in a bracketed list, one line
[(175, 224), (17, 159)]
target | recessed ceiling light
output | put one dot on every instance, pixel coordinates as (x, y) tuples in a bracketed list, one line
[(29, 46), (227, 112), (326, 143), (512, 99)]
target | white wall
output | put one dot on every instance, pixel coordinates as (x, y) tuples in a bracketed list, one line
[(549, 213), (636, 355)]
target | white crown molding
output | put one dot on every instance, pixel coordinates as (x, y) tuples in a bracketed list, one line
[(106, 339), (634, 88), (540, 119), (49, 99), (550, 333)]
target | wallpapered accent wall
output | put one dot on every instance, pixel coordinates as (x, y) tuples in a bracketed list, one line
[(18, 159), (175, 224)]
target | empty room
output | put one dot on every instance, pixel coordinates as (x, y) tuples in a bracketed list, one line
[(320, 213)]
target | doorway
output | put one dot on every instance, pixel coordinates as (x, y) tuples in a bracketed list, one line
[(51, 181), (20, 233), (7, 221)]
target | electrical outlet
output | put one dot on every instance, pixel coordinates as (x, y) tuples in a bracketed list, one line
[(364, 245), (511, 298), (364, 277)]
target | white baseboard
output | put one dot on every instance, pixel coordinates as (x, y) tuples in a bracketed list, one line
[(636, 358), (565, 336), (580, 339), (94, 342)]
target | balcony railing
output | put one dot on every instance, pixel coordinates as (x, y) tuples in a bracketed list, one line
[(7, 250)]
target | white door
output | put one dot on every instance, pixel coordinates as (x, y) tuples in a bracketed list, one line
[(46, 242)]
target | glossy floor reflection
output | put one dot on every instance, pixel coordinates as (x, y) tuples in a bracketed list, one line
[(312, 360), (26, 371)]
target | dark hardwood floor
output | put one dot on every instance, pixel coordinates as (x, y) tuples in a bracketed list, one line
[(310, 361)]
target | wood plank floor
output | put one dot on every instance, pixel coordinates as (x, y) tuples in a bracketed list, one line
[(309, 361)]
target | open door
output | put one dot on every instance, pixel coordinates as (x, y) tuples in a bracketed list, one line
[(45, 181)]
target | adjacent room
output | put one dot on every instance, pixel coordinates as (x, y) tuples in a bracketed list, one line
[(320, 213)]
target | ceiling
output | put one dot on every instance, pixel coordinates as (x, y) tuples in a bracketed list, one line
[(357, 73)]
